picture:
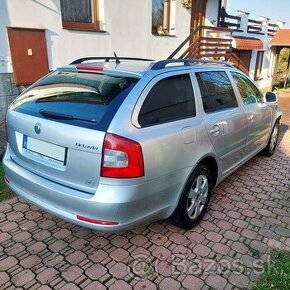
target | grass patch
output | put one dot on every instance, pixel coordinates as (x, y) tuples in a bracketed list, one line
[(276, 274), (5, 192)]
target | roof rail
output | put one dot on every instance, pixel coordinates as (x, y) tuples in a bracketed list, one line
[(187, 62), (107, 59)]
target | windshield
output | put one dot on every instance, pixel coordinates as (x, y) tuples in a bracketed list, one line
[(84, 97)]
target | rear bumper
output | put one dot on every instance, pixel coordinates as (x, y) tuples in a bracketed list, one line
[(127, 205)]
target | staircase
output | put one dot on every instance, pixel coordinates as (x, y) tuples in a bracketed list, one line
[(206, 42)]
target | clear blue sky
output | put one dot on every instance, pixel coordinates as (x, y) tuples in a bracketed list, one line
[(274, 9)]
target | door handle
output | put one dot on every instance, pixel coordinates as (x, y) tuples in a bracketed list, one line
[(251, 118), (215, 130)]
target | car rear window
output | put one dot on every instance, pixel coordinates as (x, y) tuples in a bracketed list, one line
[(82, 99)]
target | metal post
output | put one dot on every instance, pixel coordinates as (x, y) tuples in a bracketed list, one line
[(274, 76), (287, 71)]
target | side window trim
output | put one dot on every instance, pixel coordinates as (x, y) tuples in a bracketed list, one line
[(151, 83)]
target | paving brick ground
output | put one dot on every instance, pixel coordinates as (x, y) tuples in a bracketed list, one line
[(249, 214), (284, 102)]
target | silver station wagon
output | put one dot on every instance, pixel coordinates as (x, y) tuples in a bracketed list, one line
[(108, 143)]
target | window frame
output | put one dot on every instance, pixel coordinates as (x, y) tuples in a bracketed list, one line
[(147, 89), (259, 65), (168, 28), (93, 26), (230, 82)]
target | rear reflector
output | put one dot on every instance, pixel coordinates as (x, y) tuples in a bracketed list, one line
[(6, 179), (97, 222), (90, 67), (122, 158)]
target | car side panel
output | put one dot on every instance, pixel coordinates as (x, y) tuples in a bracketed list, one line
[(176, 146), (260, 119), (230, 140)]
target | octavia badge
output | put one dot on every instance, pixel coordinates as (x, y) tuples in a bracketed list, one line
[(37, 128)]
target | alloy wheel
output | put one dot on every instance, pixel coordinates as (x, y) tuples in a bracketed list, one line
[(197, 196)]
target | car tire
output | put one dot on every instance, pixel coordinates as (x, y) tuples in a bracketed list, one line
[(195, 198), (273, 141)]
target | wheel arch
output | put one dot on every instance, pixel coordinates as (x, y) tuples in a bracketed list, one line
[(211, 162)]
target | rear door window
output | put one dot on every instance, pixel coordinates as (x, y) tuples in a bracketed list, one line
[(82, 99), (170, 99), (216, 91)]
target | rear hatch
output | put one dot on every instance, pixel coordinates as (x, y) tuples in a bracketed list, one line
[(57, 127)]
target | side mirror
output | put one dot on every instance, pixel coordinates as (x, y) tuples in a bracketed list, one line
[(271, 97)]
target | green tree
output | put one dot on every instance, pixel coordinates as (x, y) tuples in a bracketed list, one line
[(282, 66)]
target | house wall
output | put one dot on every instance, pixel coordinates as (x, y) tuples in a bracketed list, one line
[(265, 83), (212, 8), (127, 24)]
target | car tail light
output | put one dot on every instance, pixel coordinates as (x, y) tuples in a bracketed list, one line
[(122, 158), (90, 67), (97, 222)]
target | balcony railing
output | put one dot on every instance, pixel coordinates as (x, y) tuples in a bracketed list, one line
[(230, 21), (242, 23), (255, 26), (272, 29)]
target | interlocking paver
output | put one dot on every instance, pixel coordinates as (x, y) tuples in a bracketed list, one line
[(169, 284), (22, 278), (119, 254), (95, 285), (96, 271), (3, 278), (46, 276), (216, 282), (30, 261), (249, 213), (192, 282), (72, 273), (4, 237), (201, 250), (119, 270), (120, 284)]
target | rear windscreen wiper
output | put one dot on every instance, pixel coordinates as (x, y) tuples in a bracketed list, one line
[(54, 115)]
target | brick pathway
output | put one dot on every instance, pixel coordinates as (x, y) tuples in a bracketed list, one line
[(284, 102), (249, 214)]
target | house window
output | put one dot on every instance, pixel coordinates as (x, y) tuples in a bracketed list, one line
[(163, 17), (259, 65), (80, 14)]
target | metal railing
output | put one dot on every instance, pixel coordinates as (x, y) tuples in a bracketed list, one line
[(272, 29), (230, 21), (255, 26)]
